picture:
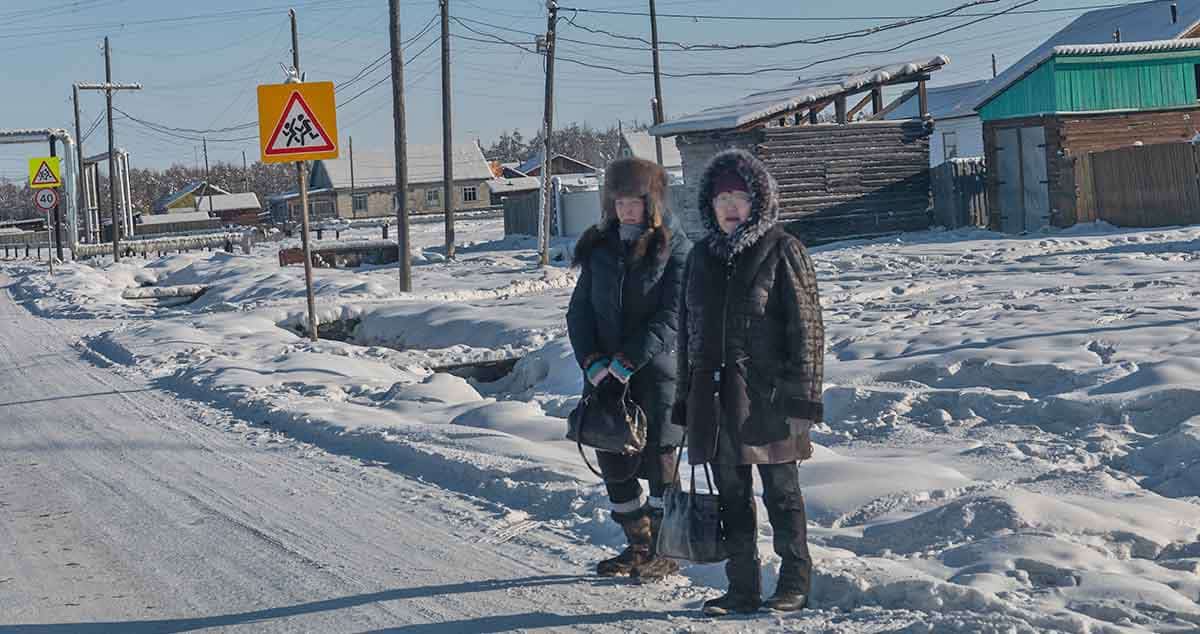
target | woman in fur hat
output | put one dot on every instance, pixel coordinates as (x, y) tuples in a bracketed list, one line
[(750, 369), (623, 325)]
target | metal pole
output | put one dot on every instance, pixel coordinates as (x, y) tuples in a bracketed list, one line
[(447, 137), (245, 173), (658, 95), (400, 138), (79, 157), (301, 177), (112, 171), (353, 213), (547, 128), (57, 226)]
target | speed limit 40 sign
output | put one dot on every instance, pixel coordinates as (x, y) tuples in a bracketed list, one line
[(45, 199)]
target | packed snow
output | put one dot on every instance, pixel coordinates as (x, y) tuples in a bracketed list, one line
[(1012, 435)]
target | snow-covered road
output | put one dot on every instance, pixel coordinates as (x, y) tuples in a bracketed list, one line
[(123, 509)]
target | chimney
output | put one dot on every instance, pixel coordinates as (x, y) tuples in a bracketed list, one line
[(1174, 13)]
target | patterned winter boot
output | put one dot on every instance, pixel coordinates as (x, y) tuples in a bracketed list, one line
[(656, 568), (637, 533)]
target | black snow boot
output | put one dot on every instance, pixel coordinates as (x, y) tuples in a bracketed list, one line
[(637, 533), (745, 589), (656, 567), (791, 593)]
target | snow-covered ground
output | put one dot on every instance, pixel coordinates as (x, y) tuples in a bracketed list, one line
[(1013, 424)]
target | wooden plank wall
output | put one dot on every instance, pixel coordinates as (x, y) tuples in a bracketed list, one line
[(960, 193), (1146, 186), (521, 213), (856, 180)]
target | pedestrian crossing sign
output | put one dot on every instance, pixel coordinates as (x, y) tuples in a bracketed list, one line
[(44, 172), (297, 122)]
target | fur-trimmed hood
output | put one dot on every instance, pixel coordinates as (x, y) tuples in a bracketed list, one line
[(632, 178), (764, 203)]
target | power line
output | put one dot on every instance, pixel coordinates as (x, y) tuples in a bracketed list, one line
[(697, 16), (389, 76), (738, 73)]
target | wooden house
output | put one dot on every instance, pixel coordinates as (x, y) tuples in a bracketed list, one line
[(232, 209), (1075, 100), (854, 177), (560, 165)]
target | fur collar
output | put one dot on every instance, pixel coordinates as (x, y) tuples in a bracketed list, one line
[(764, 203), (654, 241)]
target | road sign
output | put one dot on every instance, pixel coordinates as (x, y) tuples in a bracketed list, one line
[(44, 172), (297, 122), (45, 199)]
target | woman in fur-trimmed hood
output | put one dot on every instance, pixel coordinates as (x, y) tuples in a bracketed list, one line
[(622, 323), (750, 370)]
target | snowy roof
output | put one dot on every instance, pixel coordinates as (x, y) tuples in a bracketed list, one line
[(510, 185), (535, 162), (642, 145), (33, 135), (376, 169), (945, 102), (229, 202), (764, 105), (190, 188), (1142, 22), (165, 219)]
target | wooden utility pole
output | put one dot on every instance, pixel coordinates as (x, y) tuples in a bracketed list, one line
[(245, 173), (353, 213), (302, 179), (547, 129), (658, 95), (400, 138), (207, 181), (82, 203), (447, 136)]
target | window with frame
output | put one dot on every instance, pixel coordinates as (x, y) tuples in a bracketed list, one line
[(470, 194), (949, 145), (433, 196), (359, 203)]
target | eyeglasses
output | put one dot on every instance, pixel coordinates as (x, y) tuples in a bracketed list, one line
[(727, 198)]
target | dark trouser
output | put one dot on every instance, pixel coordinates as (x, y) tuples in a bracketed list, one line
[(785, 509), (656, 465)]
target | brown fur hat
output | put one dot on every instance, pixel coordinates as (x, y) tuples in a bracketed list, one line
[(632, 178)]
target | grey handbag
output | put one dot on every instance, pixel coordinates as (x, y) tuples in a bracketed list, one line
[(691, 525)]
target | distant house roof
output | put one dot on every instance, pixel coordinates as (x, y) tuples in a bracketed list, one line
[(376, 169), (641, 144), (1142, 22), (513, 185), (229, 202), (534, 163), (190, 188), (179, 218), (945, 102), (807, 90)]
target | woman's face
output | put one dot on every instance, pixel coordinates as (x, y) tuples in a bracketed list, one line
[(631, 211), (732, 209)]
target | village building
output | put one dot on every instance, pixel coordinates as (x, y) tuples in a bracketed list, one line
[(1076, 100), (184, 199), (561, 164), (957, 128), (232, 209), (365, 188), (640, 144), (849, 178)]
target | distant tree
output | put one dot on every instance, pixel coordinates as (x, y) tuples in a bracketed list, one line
[(579, 141)]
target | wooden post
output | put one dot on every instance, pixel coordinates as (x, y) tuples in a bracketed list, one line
[(547, 129), (839, 104), (447, 137), (400, 139), (876, 100), (923, 98)]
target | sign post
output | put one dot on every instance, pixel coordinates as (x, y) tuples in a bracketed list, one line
[(297, 122), (47, 200)]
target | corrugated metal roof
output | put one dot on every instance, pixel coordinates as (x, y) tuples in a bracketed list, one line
[(766, 104), (945, 102), (376, 169), (1125, 48), (1142, 22), (229, 202), (642, 145), (535, 161)]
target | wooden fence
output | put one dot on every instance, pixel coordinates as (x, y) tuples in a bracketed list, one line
[(1140, 186), (960, 193)]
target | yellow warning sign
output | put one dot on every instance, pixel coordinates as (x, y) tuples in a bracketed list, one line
[(44, 172), (297, 122)]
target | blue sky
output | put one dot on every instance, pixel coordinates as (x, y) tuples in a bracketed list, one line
[(200, 62)]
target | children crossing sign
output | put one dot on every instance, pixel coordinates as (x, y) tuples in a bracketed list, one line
[(297, 122), (44, 172)]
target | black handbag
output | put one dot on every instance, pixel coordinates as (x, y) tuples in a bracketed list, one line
[(608, 419)]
